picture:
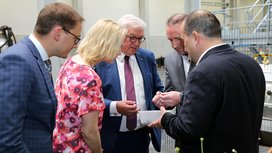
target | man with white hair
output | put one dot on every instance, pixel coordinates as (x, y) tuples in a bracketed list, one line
[(121, 129)]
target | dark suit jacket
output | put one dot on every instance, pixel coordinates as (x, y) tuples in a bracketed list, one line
[(27, 101), (223, 103), (112, 92), (175, 77)]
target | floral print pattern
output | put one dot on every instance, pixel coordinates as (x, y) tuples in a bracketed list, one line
[(78, 90)]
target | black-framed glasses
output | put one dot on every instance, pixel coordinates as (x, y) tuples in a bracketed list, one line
[(133, 39), (77, 37)]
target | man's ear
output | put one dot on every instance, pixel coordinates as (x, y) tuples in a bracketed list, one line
[(57, 32), (195, 36)]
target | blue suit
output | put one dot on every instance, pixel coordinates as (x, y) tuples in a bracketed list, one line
[(27, 101), (112, 92)]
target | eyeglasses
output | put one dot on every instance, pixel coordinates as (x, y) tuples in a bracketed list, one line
[(133, 39), (77, 37)]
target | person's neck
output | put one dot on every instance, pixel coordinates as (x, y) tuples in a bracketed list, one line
[(210, 43), (78, 59), (46, 44)]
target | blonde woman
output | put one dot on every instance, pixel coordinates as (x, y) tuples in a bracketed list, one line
[(78, 90)]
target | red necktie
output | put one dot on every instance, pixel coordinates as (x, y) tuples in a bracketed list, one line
[(131, 120)]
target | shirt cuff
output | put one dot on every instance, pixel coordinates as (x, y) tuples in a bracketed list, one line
[(113, 109)]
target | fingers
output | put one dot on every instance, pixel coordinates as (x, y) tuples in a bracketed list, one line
[(158, 93), (132, 111), (163, 110), (127, 107), (170, 99), (156, 99), (153, 124), (129, 102), (156, 124)]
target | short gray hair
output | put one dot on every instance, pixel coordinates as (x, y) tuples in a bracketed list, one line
[(176, 18), (129, 20)]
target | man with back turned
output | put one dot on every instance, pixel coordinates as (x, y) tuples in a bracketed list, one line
[(223, 99)]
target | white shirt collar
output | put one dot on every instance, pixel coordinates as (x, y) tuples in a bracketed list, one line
[(122, 56), (39, 46), (207, 51)]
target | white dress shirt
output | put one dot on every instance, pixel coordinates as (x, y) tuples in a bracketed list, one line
[(207, 51), (39, 46), (138, 86), (186, 64)]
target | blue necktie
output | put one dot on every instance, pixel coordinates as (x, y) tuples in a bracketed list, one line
[(131, 120)]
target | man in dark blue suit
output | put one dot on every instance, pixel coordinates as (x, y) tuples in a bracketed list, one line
[(115, 136), (223, 98), (27, 98)]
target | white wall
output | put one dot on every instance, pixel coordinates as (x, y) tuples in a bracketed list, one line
[(20, 15), (158, 13), (93, 10)]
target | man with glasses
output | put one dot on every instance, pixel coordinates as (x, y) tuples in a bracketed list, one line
[(27, 98), (77, 38), (129, 84)]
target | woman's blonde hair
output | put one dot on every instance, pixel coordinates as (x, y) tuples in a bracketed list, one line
[(102, 42)]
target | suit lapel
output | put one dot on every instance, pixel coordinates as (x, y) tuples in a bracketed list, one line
[(192, 65), (45, 74), (47, 78), (114, 77), (146, 77), (143, 67)]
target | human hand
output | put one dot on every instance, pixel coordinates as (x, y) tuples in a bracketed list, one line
[(127, 107), (156, 99), (170, 99), (157, 123)]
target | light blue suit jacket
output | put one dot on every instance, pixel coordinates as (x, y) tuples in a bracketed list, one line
[(112, 92), (27, 101)]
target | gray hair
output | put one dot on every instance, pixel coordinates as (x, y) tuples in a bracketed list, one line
[(176, 18), (129, 20)]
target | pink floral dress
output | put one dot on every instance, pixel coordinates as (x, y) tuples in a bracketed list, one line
[(78, 90)]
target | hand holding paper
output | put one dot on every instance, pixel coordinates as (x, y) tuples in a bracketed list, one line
[(157, 122)]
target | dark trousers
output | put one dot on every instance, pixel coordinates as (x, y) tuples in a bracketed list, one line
[(132, 142)]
